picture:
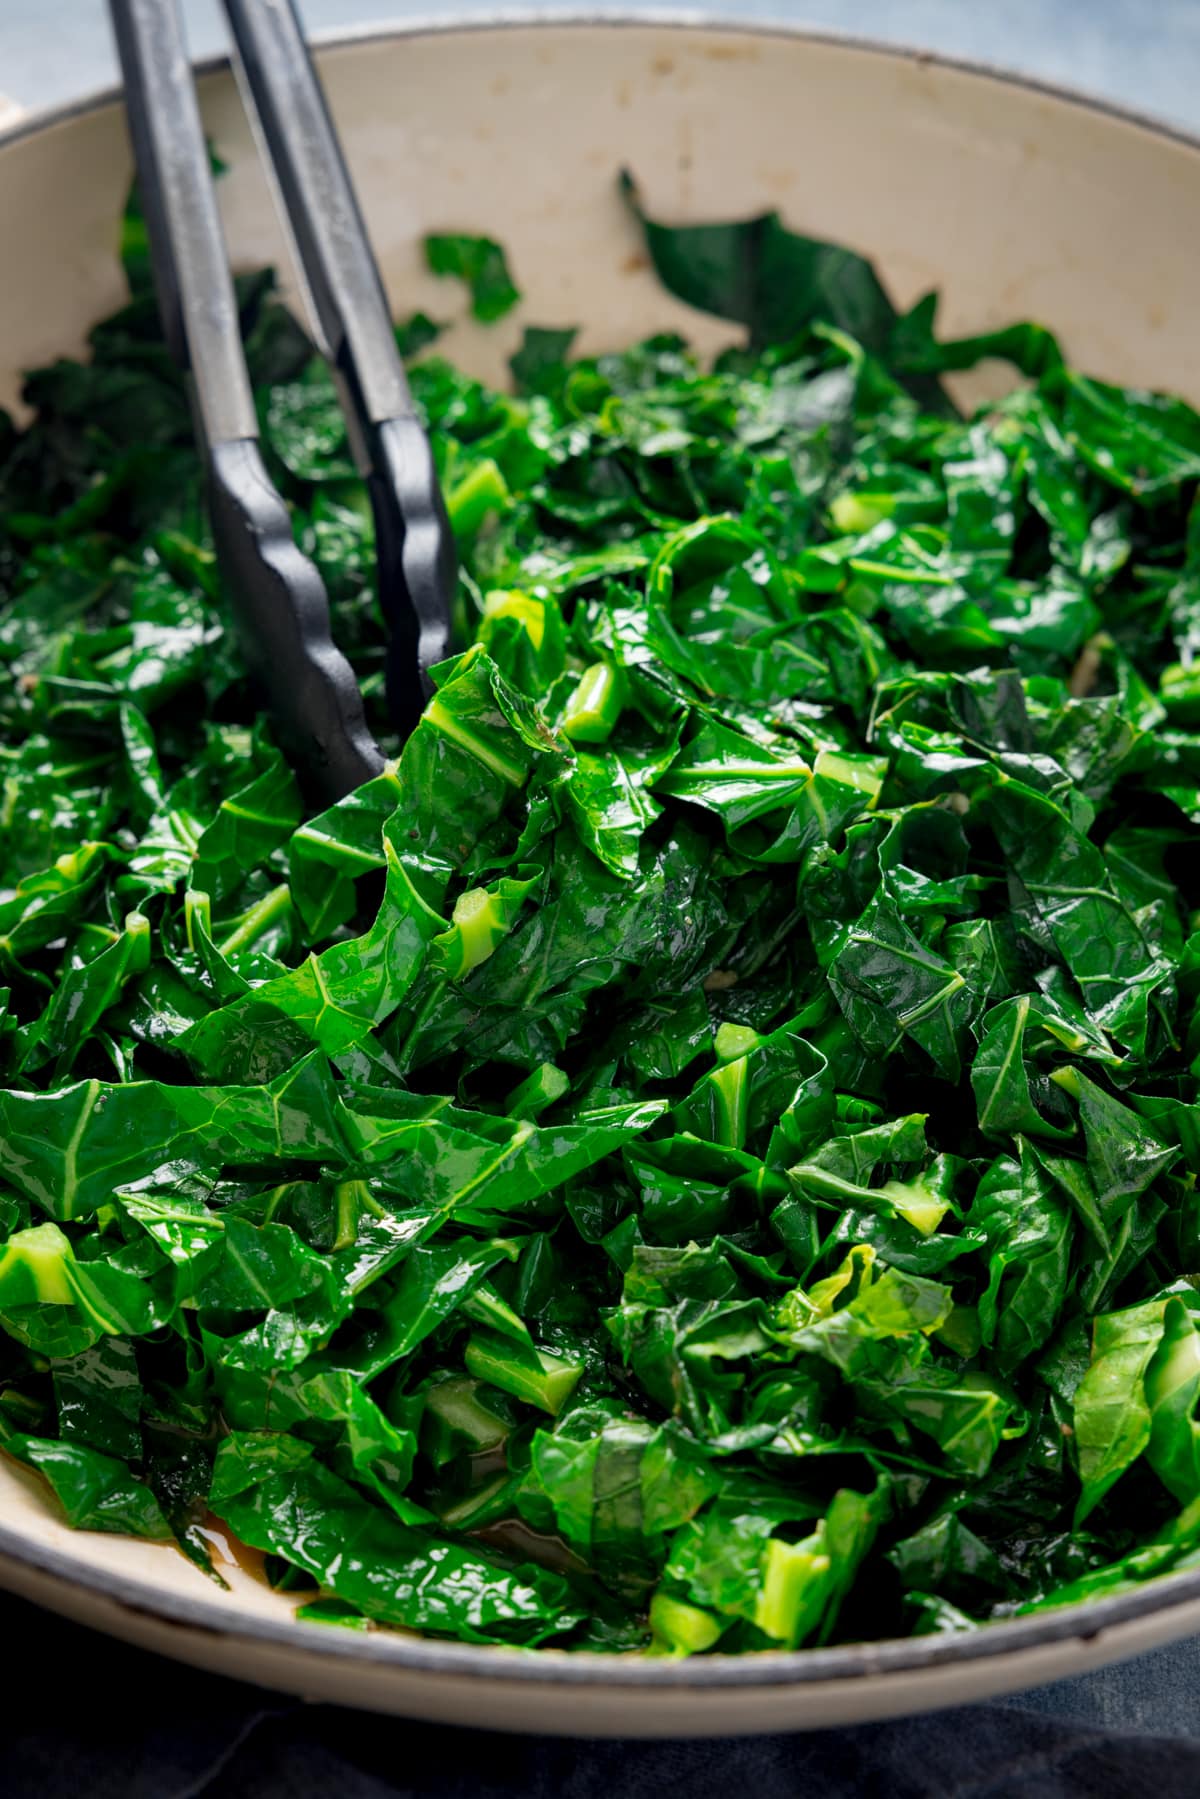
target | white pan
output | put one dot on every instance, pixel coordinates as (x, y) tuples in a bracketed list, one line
[(1014, 201)]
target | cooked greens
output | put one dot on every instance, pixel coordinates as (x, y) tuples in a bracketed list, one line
[(701, 1153)]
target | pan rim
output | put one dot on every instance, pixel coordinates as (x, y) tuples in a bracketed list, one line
[(565, 1670)]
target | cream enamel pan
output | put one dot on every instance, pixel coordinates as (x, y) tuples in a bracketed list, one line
[(1015, 201)]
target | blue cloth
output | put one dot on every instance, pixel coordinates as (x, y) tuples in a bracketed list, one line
[(85, 1718)]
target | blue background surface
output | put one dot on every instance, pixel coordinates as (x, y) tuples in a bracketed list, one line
[(1081, 1737), (1144, 53)]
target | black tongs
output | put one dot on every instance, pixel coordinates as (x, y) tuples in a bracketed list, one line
[(278, 596)]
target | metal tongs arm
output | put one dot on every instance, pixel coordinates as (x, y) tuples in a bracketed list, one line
[(278, 596), (350, 315)]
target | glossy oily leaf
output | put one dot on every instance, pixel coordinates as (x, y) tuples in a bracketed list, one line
[(698, 1154), (295, 1508), (1112, 1414)]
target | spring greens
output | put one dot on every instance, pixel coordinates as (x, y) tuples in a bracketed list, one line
[(701, 1153)]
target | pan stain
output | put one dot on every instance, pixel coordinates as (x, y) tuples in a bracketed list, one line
[(778, 180), (224, 1547)]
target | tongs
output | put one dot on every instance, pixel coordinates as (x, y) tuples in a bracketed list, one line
[(276, 593)]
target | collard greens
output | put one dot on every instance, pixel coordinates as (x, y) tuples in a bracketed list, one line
[(700, 1153)]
